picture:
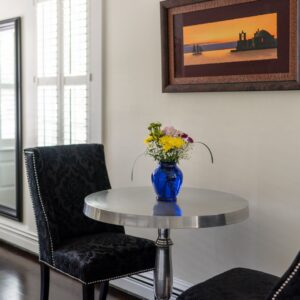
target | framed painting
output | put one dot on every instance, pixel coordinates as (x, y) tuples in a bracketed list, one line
[(230, 45)]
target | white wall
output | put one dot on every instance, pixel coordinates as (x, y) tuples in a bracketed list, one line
[(254, 136)]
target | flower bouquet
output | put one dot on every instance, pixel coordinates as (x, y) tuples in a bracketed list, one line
[(168, 146)]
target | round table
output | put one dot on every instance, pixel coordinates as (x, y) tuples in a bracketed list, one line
[(138, 207)]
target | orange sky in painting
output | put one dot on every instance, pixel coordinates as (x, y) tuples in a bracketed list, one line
[(228, 31)]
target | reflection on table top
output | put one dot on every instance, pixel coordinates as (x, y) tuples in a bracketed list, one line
[(138, 207)]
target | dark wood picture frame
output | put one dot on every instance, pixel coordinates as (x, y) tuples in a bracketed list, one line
[(17, 213), (276, 74)]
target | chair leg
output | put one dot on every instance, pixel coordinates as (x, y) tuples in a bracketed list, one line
[(45, 278), (88, 292), (103, 290)]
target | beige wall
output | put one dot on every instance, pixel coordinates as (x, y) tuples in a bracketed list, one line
[(254, 137)]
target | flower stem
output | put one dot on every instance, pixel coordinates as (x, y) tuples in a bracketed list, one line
[(210, 152)]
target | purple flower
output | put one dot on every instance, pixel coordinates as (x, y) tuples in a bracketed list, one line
[(184, 135)]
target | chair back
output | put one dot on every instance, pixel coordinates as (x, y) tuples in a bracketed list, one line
[(288, 287), (60, 177)]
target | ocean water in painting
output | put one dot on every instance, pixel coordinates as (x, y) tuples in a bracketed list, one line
[(227, 56)]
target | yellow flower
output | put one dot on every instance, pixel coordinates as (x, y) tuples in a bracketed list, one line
[(148, 140), (169, 142)]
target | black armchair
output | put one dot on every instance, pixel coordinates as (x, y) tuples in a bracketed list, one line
[(69, 242), (246, 284)]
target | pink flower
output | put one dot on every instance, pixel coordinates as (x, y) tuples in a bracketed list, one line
[(170, 131)]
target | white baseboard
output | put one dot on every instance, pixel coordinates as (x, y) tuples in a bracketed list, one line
[(19, 236), (139, 285)]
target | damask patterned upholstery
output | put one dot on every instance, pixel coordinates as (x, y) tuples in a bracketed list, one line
[(246, 284), (101, 256), (59, 179), (235, 284)]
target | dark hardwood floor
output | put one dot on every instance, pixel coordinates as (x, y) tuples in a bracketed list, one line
[(20, 279)]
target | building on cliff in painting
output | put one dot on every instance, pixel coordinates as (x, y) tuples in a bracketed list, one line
[(262, 40)]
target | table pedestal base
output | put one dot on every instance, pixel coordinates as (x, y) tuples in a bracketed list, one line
[(163, 273)]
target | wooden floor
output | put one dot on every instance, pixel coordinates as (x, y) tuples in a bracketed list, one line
[(20, 280)]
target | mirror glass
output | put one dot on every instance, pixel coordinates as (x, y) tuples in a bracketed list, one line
[(10, 118)]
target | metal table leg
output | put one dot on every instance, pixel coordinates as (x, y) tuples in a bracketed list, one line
[(163, 273)]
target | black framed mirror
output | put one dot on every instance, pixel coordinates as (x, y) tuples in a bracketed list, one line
[(10, 119)]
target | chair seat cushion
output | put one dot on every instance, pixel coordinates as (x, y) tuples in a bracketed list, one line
[(104, 256), (235, 284)]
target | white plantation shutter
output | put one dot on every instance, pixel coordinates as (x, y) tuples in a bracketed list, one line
[(47, 39), (7, 84), (47, 72), (75, 114), (75, 37), (75, 71), (63, 86), (47, 115)]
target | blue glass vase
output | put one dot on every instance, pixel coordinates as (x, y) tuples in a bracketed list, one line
[(167, 180)]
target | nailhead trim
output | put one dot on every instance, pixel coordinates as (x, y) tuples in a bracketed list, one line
[(290, 277), (41, 200), (32, 205), (96, 281)]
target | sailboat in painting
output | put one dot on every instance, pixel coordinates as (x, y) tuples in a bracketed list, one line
[(197, 50)]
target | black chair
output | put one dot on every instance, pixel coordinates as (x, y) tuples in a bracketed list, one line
[(246, 284), (69, 242)]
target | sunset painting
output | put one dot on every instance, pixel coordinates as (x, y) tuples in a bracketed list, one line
[(244, 39)]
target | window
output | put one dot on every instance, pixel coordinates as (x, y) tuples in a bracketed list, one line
[(62, 71)]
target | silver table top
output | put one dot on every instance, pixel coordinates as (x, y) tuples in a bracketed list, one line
[(138, 207)]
